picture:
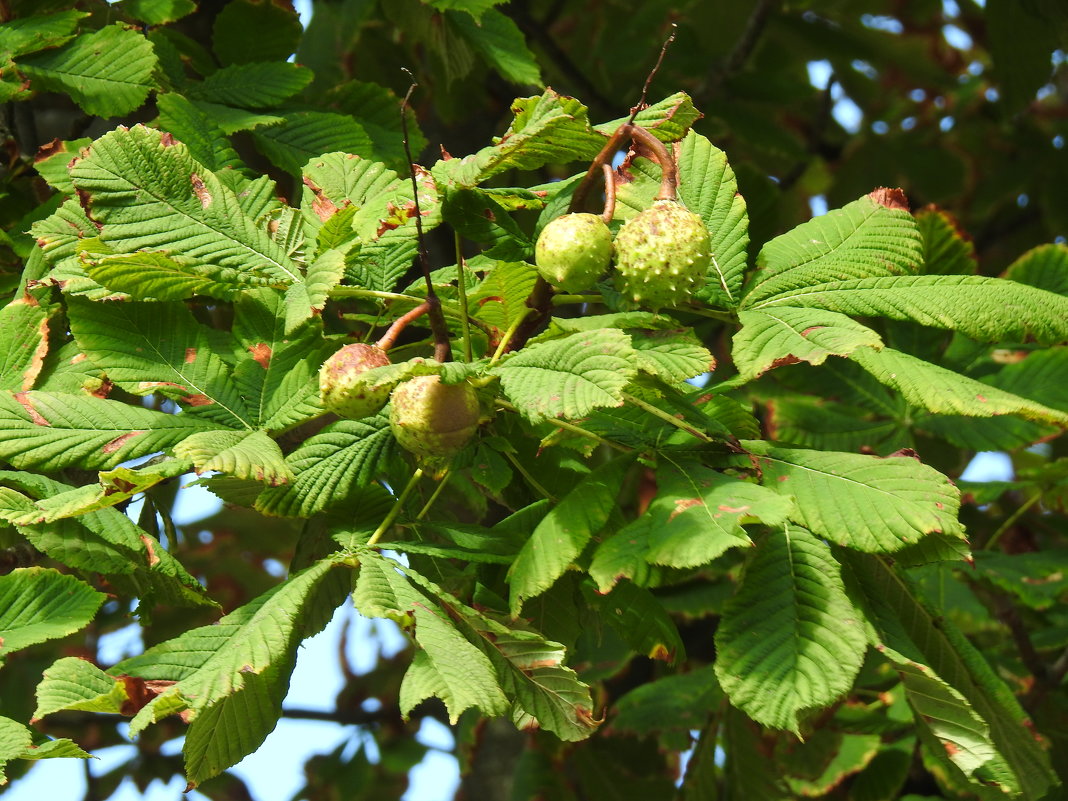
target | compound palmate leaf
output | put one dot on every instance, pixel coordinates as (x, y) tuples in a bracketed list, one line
[(790, 640), (865, 502), (146, 192), (231, 676), (107, 72), (571, 376)]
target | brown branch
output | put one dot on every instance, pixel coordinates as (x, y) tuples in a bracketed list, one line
[(652, 74), (386, 341), (609, 193), (669, 173)]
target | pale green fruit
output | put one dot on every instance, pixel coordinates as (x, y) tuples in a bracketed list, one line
[(341, 385), (433, 420), (573, 251), (662, 256)]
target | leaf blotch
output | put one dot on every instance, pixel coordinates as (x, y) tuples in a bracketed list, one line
[(261, 354), (37, 418), (118, 442), (200, 190)]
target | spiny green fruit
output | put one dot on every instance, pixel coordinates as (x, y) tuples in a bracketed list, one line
[(342, 387), (433, 420), (573, 251), (662, 255)]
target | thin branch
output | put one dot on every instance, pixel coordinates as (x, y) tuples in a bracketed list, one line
[(652, 74), (442, 348)]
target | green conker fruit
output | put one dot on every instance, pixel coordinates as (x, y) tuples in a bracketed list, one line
[(662, 255), (433, 420), (342, 387), (573, 251)]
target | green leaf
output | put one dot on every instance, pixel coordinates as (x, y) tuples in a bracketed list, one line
[(1039, 579), (148, 275), (681, 702), (953, 692), (696, 516), (17, 742), (328, 465), (569, 377), (106, 542), (231, 676), (500, 42), (53, 430), (306, 300), (1044, 267), (943, 391), (987, 309), (38, 604), (563, 534), (23, 343), (864, 502), (241, 454), (260, 84), (72, 683), (773, 337), (303, 135), (32, 33), (158, 348), (790, 641), (864, 239), (158, 12), (674, 355), (108, 72), (197, 130), (548, 129), (148, 193)]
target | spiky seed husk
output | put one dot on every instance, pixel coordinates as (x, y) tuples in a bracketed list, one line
[(662, 255), (432, 420), (341, 385), (573, 251)]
